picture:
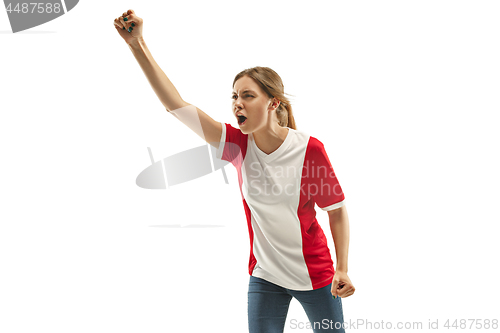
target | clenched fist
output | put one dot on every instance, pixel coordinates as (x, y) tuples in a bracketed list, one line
[(129, 26)]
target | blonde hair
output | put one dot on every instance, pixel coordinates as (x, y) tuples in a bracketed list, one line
[(270, 82)]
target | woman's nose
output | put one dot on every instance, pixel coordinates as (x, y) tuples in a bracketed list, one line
[(237, 103)]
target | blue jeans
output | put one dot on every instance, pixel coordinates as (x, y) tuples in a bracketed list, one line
[(268, 306)]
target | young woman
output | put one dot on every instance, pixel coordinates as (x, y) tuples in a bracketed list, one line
[(282, 173)]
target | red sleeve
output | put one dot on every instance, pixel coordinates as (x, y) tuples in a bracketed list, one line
[(322, 183), (233, 145)]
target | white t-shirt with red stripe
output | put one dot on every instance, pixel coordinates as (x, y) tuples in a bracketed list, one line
[(287, 245)]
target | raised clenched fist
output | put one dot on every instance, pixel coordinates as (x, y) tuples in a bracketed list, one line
[(129, 26)]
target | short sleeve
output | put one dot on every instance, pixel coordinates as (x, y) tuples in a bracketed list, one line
[(232, 145), (323, 186)]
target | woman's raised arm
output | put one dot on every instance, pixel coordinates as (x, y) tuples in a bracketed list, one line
[(129, 26)]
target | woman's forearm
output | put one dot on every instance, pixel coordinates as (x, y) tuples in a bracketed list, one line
[(339, 225), (164, 89)]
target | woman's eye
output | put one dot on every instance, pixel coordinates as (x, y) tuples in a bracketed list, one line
[(234, 96)]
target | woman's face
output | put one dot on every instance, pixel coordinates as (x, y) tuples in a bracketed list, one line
[(251, 102)]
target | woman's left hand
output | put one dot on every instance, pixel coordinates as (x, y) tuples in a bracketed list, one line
[(342, 285)]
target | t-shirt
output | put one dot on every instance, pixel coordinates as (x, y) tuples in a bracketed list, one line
[(287, 245)]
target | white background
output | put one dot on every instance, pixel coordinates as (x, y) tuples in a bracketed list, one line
[(403, 94)]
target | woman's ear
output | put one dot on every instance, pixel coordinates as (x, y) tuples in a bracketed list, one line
[(275, 103)]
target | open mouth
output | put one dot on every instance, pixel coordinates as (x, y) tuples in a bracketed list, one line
[(242, 120)]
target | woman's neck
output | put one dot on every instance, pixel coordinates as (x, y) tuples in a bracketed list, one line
[(270, 139)]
